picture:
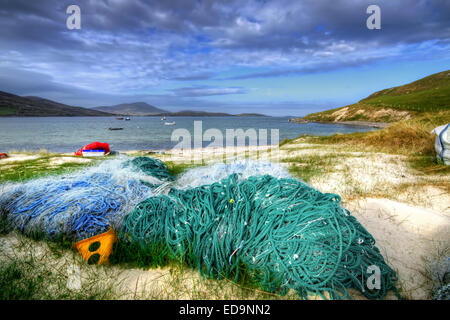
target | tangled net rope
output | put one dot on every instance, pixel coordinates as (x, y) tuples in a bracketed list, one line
[(286, 234), (84, 204), (153, 167)]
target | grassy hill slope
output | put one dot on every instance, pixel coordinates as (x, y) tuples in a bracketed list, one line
[(429, 94), (412, 110)]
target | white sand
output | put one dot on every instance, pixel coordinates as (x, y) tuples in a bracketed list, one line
[(408, 238)]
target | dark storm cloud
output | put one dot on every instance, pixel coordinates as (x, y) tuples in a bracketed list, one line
[(136, 46), (239, 24)]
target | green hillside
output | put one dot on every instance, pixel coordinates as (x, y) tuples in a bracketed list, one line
[(429, 94)]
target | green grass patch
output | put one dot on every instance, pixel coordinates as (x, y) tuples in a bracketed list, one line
[(429, 165), (308, 167), (285, 141), (136, 255), (432, 100), (29, 169), (176, 168), (25, 275), (28, 279), (429, 94)]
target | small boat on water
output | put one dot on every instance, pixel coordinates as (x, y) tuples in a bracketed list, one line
[(163, 118), (119, 118), (170, 123), (115, 128), (126, 119)]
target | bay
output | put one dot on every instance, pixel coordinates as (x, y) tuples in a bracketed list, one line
[(68, 134)]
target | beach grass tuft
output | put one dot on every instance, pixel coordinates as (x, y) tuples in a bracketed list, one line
[(412, 138)]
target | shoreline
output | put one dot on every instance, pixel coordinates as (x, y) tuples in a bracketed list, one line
[(357, 123), (371, 124), (162, 151)]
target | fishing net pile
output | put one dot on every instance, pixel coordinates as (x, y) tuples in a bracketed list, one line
[(82, 204), (225, 220), (150, 167), (246, 168), (283, 233)]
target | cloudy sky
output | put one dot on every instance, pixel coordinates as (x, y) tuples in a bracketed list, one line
[(287, 57)]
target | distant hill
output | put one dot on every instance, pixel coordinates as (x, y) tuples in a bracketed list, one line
[(31, 106), (12, 105), (251, 115), (190, 113), (429, 94), (132, 109), (144, 109)]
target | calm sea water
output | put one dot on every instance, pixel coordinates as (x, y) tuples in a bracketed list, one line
[(68, 134)]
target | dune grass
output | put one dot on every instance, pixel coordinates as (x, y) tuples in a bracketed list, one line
[(29, 279), (411, 137), (308, 167), (31, 270)]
